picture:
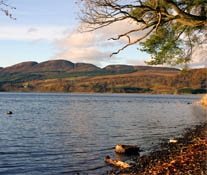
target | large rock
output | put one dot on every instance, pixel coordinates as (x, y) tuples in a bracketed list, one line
[(127, 149)]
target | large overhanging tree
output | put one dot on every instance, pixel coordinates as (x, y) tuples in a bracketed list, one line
[(5, 7), (172, 28)]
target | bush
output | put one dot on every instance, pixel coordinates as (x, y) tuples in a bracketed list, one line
[(192, 91)]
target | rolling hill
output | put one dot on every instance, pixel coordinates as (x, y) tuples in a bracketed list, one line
[(21, 67), (65, 76), (49, 66), (67, 66)]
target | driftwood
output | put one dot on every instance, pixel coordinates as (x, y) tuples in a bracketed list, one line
[(116, 163), (127, 149), (173, 141)]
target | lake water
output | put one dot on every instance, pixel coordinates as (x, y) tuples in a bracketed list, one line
[(72, 133)]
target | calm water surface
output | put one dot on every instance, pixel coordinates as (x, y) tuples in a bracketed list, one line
[(71, 133)]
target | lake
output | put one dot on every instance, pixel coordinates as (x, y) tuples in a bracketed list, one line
[(72, 133)]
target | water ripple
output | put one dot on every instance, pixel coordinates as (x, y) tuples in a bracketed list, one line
[(72, 133)]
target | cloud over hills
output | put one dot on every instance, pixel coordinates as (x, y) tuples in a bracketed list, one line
[(93, 47)]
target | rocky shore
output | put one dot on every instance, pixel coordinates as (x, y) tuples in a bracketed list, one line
[(186, 156)]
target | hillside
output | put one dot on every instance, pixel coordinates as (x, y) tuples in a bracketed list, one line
[(52, 69), (49, 66), (67, 66), (21, 67), (80, 77), (119, 68), (83, 67), (53, 65)]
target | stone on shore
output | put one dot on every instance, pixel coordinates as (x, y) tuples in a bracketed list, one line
[(127, 149), (10, 112)]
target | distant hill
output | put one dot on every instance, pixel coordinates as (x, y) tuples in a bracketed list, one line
[(53, 65), (21, 67), (65, 76), (48, 66), (143, 68), (84, 67), (67, 66), (108, 81), (119, 68)]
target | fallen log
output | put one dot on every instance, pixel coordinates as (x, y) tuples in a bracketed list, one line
[(173, 141), (116, 163)]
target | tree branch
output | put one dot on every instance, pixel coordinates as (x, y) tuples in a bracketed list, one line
[(159, 21), (171, 16), (185, 15), (5, 8), (134, 42)]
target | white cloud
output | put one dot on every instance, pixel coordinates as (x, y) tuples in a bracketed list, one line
[(76, 39), (32, 30), (199, 57), (87, 55), (31, 33), (93, 47)]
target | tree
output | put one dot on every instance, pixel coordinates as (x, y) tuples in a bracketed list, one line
[(172, 28), (5, 8)]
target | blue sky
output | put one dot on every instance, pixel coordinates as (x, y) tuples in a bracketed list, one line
[(47, 29)]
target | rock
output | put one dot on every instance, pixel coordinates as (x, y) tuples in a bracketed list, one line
[(10, 112), (127, 149)]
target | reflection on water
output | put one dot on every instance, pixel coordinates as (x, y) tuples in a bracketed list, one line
[(71, 133)]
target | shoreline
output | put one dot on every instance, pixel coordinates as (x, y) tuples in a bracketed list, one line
[(45, 92), (187, 156)]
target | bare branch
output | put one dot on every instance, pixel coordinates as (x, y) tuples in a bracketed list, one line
[(134, 42), (131, 31)]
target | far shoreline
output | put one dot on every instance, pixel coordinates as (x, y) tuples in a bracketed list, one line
[(46, 92)]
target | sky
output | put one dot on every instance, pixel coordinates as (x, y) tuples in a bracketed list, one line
[(48, 29)]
